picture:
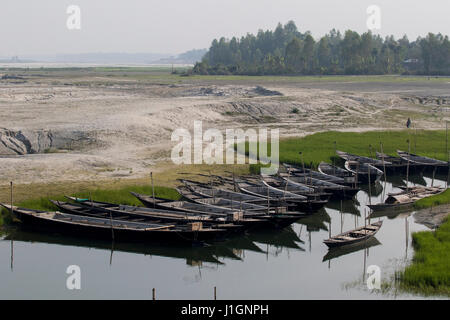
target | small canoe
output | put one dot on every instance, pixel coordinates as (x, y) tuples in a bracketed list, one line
[(336, 171), (354, 236), (361, 159), (300, 172), (405, 200), (363, 171), (394, 203), (415, 159)]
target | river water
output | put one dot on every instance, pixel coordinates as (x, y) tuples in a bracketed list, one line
[(289, 264)]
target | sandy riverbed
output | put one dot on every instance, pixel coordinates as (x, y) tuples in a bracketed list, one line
[(91, 127)]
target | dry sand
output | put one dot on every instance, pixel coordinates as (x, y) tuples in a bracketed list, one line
[(101, 128)]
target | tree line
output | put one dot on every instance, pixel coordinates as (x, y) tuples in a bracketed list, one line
[(288, 51)]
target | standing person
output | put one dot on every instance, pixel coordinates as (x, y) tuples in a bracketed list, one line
[(408, 123)]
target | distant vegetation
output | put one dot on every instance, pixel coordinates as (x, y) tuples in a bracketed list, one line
[(288, 51)]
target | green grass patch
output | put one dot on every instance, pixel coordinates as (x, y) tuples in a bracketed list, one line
[(119, 196), (440, 199), (321, 146), (429, 272)]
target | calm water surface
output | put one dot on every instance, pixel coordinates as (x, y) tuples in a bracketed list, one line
[(289, 264)]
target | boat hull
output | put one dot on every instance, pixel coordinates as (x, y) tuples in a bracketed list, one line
[(52, 226)]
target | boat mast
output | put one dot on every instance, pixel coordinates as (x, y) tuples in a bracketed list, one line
[(153, 190), (407, 166), (384, 169)]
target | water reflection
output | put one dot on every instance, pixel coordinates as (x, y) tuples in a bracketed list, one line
[(274, 255), (338, 252), (204, 254)]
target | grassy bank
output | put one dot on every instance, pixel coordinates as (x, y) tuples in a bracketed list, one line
[(321, 146), (429, 272), (37, 195), (440, 199), (119, 196)]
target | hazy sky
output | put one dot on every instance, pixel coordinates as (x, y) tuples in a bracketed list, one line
[(174, 26)]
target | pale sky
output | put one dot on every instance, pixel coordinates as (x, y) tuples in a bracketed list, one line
[(174, 26)]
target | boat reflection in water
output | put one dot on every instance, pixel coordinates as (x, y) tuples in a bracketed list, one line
[(217, 253), (337, 252)]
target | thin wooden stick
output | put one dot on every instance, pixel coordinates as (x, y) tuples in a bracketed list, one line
[(153, 190), (384, 169), (407, 166), (12, 209), (112, 228)]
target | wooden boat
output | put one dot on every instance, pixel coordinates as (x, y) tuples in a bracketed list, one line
[(397, 202), (394, 203), (185, 206), (111, 228), (257, 217), (337, 252), (280, 197), (246, 218), (395, 161), (137, 214), (354, 236), (202, 195), (361, 159), (279, 216), (332, 170), (420, 160), (294, 187), (338, 191), (363, 171), (205, 191), (300, 172)]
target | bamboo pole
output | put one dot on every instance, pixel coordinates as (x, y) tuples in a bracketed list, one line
[(303, 166), (329, 229), (370, 190), (112, 228), (434, 173), (448, 172), (334, 164), (287, 182), (407, 166), (384, 169), (415, 139), (12, 200), (153, 190), (12, 254)]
